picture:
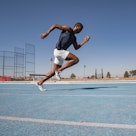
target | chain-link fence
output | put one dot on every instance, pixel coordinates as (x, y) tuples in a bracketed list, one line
[(18, 64)]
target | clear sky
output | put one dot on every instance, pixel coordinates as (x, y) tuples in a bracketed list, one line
[(110, 23)]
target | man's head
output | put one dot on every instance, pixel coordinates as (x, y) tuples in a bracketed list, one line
[(78, 27)]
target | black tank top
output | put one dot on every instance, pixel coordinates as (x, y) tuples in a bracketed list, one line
[(65, 40)]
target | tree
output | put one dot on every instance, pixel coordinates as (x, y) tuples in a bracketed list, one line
[(126, 74), (72, 76), (133, 72), (108, 75)]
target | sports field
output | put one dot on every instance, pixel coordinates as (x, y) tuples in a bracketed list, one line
[(68, 109)]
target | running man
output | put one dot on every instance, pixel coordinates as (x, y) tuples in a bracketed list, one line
[(66, 39)]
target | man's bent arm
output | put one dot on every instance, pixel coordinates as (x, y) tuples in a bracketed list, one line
[(61, 27), (76, 46)]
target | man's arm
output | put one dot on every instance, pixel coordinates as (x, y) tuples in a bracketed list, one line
[(77, 46), (61, 27)]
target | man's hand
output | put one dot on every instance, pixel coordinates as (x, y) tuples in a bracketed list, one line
[(44, 35), (87, 38)]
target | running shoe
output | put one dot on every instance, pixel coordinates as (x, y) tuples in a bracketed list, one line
[(57, 74), (40, 87)]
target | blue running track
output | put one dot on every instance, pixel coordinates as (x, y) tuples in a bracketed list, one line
[(72, 109)]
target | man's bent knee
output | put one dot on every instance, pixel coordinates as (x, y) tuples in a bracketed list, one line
[(73, 58), (76, 60)]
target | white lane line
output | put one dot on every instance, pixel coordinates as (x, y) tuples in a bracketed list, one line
[(68, 95), (71, 123)]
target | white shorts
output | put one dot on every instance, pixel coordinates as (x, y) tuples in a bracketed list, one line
[(60, 56)]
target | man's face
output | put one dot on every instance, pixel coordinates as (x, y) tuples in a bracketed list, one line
[(78, 29)]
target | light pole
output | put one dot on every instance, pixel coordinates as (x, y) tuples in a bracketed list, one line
[(51, 60), (84, 70), (3, 67)]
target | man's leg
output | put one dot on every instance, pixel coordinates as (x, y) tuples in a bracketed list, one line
[(49, 74), (71, 60)]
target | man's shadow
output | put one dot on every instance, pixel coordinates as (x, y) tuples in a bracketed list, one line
[(85, 88)]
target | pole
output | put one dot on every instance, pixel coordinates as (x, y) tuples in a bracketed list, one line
[(51, 60), (3, 73), (84, 70)]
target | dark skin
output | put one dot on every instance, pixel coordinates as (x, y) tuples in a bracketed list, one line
[(71, 58)]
